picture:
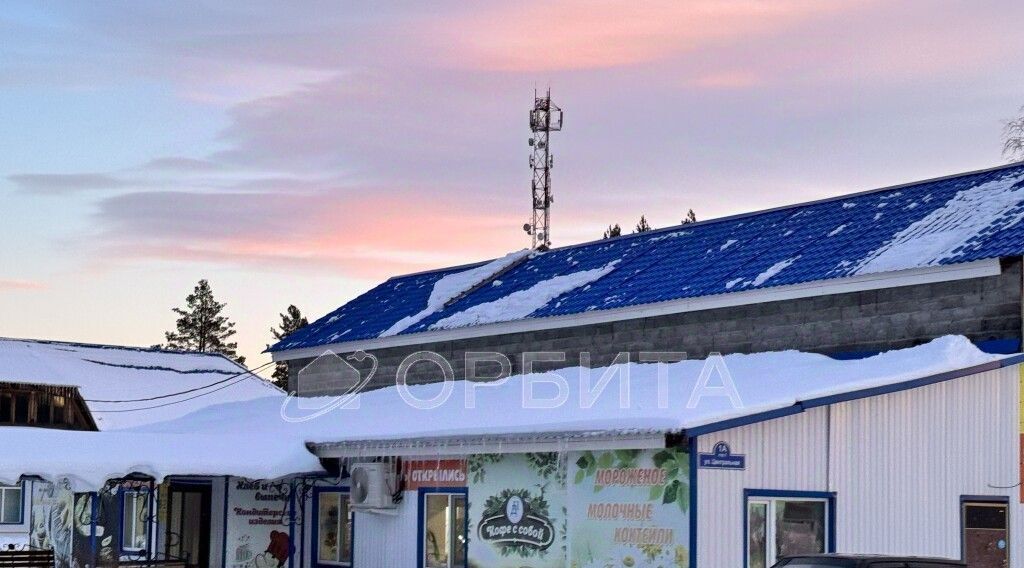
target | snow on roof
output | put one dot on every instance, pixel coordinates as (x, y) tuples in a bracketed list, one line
[(250, 438), (950, 220), (103, 372), (454, 285), (88, 459), (764, 382)]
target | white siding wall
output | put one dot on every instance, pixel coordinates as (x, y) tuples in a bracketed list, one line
[(902, 461), (787, 453), (898, 465), (217, 496), (388, 540)]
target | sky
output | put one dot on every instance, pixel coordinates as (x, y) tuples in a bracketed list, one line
[(301, 152)]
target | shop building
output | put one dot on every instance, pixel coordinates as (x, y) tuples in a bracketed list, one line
[(911, 452), (920, 460)]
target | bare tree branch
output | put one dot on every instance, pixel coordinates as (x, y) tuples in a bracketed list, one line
[(1013, 138)]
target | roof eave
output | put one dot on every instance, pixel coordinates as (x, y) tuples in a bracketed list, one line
[(455, 445), (564, 441)]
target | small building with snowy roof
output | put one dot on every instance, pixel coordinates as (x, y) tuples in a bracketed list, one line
[(846, 276), (81, 476), (113, 380)]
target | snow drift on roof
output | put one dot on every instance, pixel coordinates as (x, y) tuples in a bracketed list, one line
[(119, 373), (251, 439), (764, 381), (989, 207), (89, 459), (454, 285), (522, 303)]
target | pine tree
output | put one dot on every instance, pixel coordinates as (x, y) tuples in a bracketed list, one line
[(643, 226), (612, 231), (292, 320), (691, 217), (202, 326), (1013, 138)]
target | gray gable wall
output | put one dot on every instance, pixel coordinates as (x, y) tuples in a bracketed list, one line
[(983, 309)]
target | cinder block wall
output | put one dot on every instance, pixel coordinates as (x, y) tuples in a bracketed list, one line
[(982, 309)]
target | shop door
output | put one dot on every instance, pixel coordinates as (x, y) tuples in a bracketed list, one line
[(985, 537), (188, 527)]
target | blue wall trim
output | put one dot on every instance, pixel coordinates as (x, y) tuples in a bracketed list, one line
[(224, 534), (853, 395), (94, 510), (692, 448), (984, 499), (291, 523)]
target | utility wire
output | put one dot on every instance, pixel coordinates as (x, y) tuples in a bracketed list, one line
[(172, 403), (169, 395)]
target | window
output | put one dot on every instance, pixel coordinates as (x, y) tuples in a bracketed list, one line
[(10, 504), (134, 520), (443, 530), (334, 528), (779, 525), (985, 532)]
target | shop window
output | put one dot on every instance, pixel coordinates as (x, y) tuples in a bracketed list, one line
[(985, 535), (780, 524), (443, 527), (334, 528), (11, 504), (134, 520)]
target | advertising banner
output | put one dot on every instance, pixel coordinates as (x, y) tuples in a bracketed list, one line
[(434, 473), (52, 513), (517, 511), (629, 508), (258, 524)]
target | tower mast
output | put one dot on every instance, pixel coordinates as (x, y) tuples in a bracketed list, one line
[(545, 118)]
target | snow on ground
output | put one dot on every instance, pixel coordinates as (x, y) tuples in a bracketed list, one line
[(120, 373), (251, 439), (522, 303), (989, 207), (453, 285)]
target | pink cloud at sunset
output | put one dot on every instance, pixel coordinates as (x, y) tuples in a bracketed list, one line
[(579, 34), (342, 231), (11, 285), (348, 142)]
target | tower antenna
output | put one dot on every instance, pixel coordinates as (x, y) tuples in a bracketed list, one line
[(545, 118)]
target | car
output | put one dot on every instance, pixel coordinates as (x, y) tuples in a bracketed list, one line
[(864, 561)]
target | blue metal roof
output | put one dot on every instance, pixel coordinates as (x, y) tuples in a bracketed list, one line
[(948, 220)]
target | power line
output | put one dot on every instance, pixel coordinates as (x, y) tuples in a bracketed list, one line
[(169, 403), (169, 395)]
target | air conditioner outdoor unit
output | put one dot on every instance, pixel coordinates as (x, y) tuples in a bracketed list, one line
[(372, 486)]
